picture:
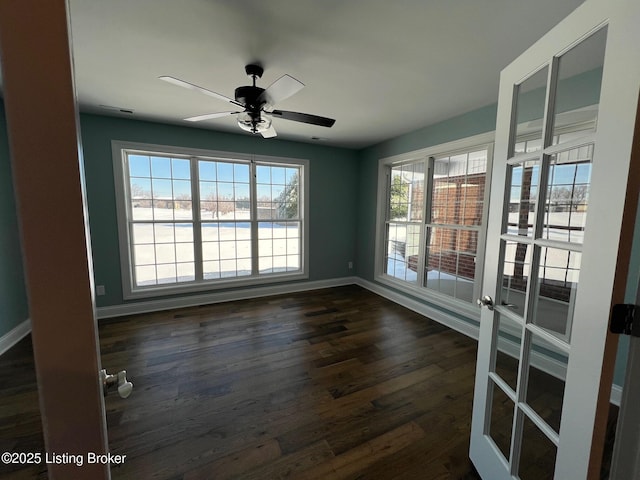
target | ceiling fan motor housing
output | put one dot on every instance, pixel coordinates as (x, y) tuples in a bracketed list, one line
[(248, 96)]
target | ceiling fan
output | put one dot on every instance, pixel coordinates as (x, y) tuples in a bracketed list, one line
[(257, 103)]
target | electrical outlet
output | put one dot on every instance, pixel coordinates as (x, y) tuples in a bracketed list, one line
[(100, 290), (350, 265)]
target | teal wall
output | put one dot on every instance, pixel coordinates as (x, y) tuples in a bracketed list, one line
[(333, 180), (13, 298)]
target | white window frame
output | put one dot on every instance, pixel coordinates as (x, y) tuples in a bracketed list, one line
[(477, 142), (120, 149)]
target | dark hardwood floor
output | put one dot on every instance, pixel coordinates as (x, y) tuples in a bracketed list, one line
[(331, 384)]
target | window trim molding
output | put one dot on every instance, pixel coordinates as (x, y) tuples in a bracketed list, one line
[(129, 292), (484, 140)]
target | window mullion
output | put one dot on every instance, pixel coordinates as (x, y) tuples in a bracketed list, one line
[(197, 220), (426, 229), (253, 218), (423, 232)]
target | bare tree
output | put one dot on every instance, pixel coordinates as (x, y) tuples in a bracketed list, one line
[(183, 201), (580, 195), (138, 192), (139, 196)]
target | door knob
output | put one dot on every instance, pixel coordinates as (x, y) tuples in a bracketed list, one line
[(120, 380), (486, 301)]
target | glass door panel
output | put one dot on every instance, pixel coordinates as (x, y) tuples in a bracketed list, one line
[(567, 199), (529, 107), (508, 345), (523, 181), (537, 453), (501, 423), (579, 69), (515, 275), (557, 285), (545, 390)]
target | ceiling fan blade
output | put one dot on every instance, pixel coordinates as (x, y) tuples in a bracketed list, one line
[(269, 132), (304, 118), (282, 88), (191, 86), (209, 116)]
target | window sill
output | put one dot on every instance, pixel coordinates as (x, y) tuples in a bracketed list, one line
[(213, 285), (460, 307)]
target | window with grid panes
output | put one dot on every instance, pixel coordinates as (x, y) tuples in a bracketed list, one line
[(194, 220), (433, 222), (454, 223)]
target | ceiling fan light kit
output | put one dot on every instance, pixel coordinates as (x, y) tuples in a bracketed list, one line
[(254, 124), (257, 102)]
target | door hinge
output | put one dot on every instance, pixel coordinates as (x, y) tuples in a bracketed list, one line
[(623, 319)]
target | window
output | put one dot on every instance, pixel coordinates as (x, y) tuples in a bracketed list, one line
[(454, 223), (193, 220), (432, 221), (404, 220)]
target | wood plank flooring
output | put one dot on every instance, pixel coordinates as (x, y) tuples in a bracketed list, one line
[(331, 384)]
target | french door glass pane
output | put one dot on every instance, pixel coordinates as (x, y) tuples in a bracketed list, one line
[(545, 392), (523, 182), (515, 276), (579, 70), (556, 288), (531, 95), (509, 341), (501, 423), (537, 455), (568, 195)]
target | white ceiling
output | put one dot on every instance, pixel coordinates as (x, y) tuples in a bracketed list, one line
[(381, 68)]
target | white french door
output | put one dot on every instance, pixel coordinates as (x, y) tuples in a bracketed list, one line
[(566, 116)]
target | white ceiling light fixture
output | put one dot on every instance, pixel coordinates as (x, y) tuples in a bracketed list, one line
[(260, 123)]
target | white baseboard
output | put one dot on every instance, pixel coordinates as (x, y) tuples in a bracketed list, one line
[(133, 308), (14, 335)]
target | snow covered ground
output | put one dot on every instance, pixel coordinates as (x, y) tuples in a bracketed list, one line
[(165, 251)]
